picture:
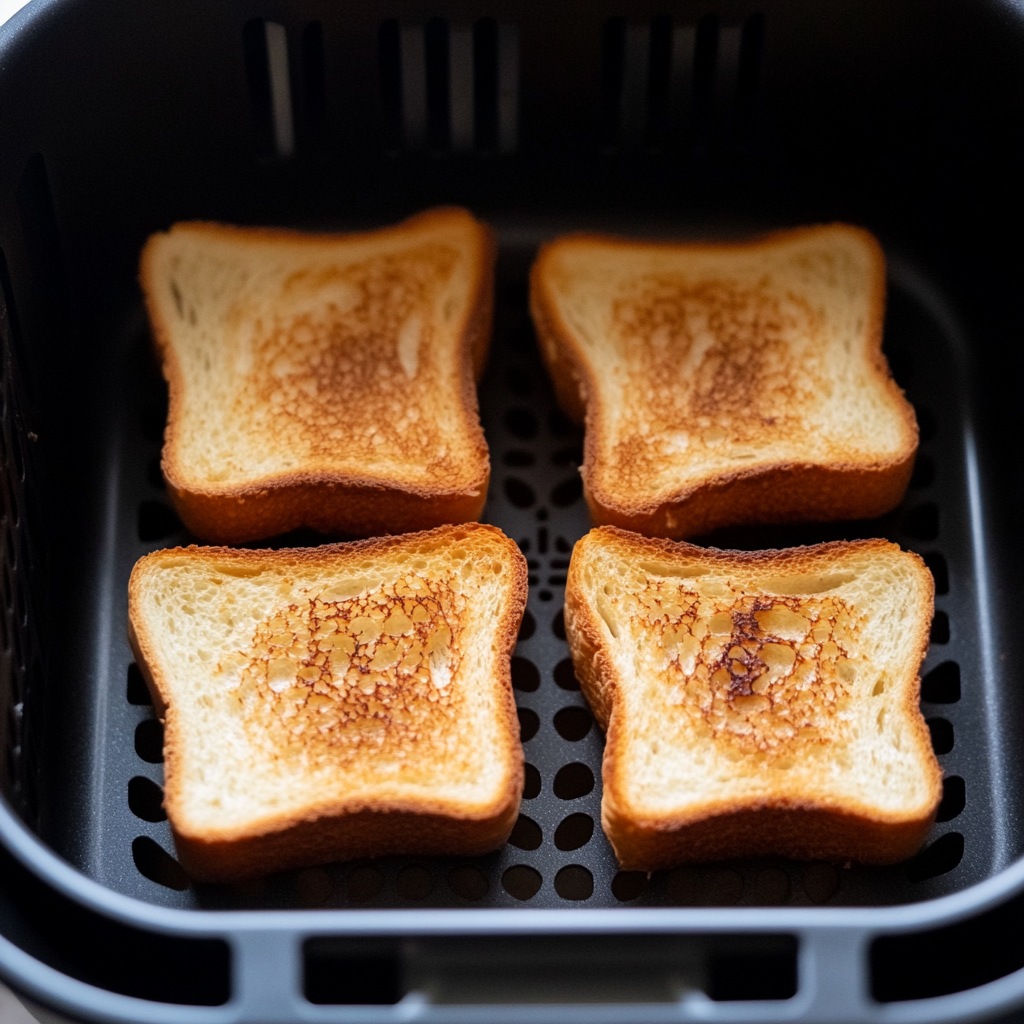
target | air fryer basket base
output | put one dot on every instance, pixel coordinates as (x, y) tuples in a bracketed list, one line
[(558, 856)]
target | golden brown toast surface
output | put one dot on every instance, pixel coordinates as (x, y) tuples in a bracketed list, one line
[(332, 702), (726, 382), (755, 703), (306, 369)]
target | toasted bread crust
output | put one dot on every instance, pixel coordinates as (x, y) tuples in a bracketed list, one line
[(325, 830), (330, 501), (783, 494), (801, 826), (781, 491)]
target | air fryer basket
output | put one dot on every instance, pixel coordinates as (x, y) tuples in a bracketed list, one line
[(648, 119)]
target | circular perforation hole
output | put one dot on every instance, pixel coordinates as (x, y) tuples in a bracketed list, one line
[(526, 834), (574, 882), (525, 675), (574, 832), (821, 882), (568, 492), (468, 882), (313, 887), (694, 887), (363, 883), (565, 677), (529, 723), (771, 887), (414, 882), (146, 799), (628, 885), (573, 723), (531, 782), (521, 882), (528, 626), (519, 492), (573, 781), (558, 624)]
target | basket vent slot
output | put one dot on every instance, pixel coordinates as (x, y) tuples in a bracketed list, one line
[(137, 690), (351, 977), (158, 865), (265, 45), (937, 859), (663, 83), (450, 87), (314, 78), (146, 799)]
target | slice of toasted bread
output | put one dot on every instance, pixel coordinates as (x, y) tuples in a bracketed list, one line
[(335, 702), (755, 703), (323, 380), (726, 383)]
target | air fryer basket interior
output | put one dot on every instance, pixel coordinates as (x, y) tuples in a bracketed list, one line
[(649, 119)]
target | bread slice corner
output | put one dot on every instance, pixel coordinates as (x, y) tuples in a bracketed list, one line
[(756, 703), (328, 703), (725, 383), (323, 380)]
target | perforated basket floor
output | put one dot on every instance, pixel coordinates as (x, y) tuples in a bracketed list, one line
[(557, 856)]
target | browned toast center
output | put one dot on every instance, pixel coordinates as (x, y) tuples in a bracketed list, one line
[(764, 673), (712, 362), (338, 362), (335, 680)]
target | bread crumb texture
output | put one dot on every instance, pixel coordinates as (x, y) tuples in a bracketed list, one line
[(320, 354), (710, 360), (343, 680), (785, 678)]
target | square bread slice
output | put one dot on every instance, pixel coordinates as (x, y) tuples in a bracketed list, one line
[(321, 704), (756, 703), (323, 380), (726, 383)]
